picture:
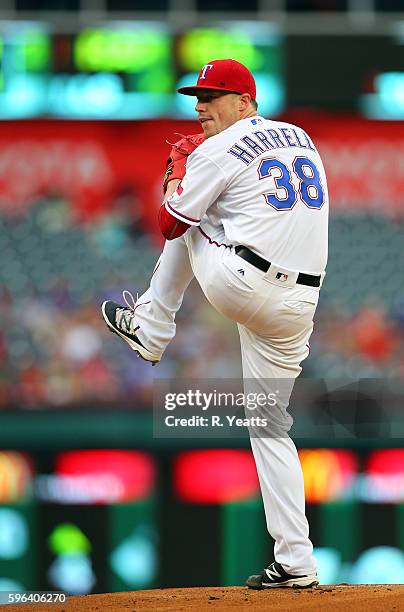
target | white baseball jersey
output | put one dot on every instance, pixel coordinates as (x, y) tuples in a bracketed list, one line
[(266, 182)]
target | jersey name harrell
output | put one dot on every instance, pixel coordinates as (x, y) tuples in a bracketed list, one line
[(267, 140)]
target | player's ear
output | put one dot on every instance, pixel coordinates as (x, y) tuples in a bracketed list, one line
[(244, 101)]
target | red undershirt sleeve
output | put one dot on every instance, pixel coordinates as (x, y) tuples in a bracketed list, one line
[(170, 226)]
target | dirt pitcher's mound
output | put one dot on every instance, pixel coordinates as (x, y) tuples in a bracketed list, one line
[(338, 598)]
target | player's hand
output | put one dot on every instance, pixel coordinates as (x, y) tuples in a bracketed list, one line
[(175, 168)]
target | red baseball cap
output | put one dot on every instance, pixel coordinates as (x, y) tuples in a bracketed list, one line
[(223, 75)]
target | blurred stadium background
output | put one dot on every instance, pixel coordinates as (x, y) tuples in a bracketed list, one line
[(89, 500)]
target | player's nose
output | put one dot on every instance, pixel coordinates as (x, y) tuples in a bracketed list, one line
[(200, 106)]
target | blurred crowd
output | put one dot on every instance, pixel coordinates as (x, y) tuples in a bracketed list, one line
[(55, 350)]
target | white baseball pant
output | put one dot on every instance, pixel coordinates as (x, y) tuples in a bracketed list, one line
[(275, 321)]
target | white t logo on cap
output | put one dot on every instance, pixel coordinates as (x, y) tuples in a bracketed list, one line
[(205, 69)]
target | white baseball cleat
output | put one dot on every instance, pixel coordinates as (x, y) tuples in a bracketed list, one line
[(275, 576), (121, 320)]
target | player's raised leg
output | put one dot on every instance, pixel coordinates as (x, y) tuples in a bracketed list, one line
[(148, 324)]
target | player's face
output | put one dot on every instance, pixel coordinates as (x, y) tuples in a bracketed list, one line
[(217, 111)]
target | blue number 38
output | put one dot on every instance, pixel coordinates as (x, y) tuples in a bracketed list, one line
[(284, 197)]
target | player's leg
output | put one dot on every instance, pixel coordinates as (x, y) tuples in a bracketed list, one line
[(274, 342), (157, 307), (149, 324), (266, 369), (155, 310)]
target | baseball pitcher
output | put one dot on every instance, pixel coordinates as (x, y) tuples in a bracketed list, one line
[(246, 213)]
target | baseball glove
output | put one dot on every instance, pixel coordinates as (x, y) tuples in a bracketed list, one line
[(175, 168)]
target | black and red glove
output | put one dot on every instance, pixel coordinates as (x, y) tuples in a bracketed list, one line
[(179, 153)]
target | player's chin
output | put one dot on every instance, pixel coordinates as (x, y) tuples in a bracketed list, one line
[(209, 129)]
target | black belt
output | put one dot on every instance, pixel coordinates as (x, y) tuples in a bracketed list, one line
[(264, 265)]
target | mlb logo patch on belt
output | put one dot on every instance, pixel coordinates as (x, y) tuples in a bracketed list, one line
[(282, 276)]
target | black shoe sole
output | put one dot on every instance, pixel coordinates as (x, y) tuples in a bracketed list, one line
[(279, 585)]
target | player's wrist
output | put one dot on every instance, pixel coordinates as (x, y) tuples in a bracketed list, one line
[(171, 187)]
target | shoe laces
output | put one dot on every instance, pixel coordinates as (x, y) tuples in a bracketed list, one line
[(125, 316)]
